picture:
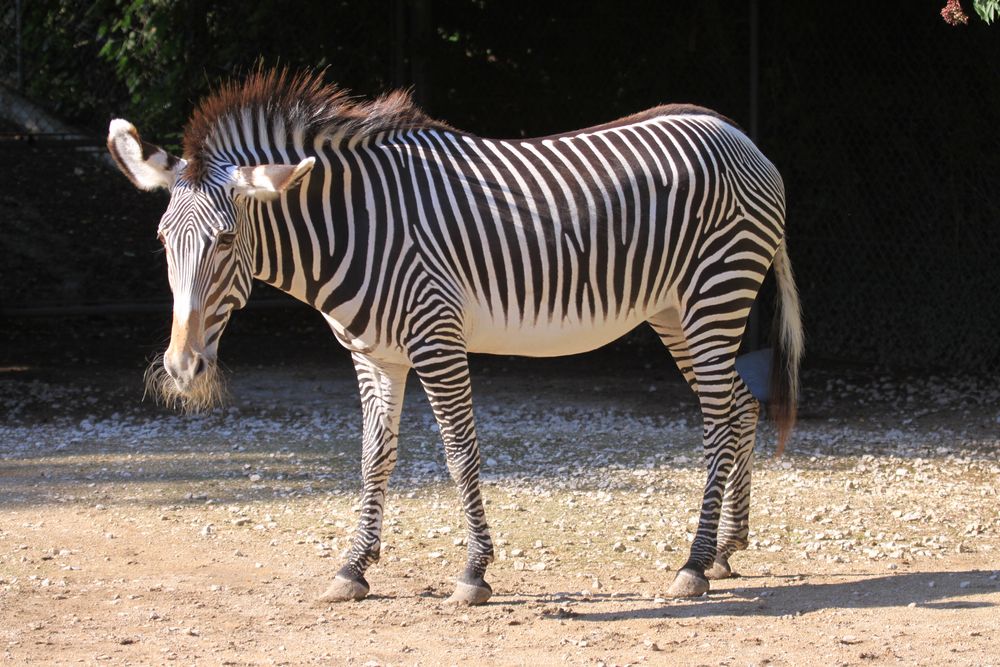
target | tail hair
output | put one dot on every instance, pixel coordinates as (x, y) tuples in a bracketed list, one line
[(788, 341)]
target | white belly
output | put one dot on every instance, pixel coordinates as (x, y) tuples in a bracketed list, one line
[(545, 338)]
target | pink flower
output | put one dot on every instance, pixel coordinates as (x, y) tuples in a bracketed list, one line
[(952, 13)]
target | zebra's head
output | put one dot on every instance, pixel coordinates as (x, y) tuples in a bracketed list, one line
[(210, 246)]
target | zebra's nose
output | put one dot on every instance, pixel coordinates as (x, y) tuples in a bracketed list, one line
[(184, 368)]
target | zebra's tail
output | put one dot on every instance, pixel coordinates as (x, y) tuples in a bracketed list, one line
[(787, 344)]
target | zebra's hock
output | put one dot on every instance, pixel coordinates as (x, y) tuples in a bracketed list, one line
[(203, 392)]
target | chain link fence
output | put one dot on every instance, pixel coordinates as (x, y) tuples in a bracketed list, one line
[(888, 136), (886, 132)]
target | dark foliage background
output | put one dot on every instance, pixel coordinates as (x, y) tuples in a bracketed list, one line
[(883, 120)]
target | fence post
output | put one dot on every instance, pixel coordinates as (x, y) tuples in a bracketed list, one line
[(751, 338), (17, 46)]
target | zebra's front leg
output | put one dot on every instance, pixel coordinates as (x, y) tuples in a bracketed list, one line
[(444, 373), (382, 388), (715, 393), (734, 523)]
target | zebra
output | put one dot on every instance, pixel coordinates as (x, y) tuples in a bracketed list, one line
[(420, 243)]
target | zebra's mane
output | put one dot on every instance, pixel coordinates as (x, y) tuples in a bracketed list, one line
[(298, 100)]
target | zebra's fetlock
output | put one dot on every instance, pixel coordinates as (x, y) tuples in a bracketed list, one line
[(476, 566)]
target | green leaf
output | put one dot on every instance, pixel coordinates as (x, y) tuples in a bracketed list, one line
[(988, 10)]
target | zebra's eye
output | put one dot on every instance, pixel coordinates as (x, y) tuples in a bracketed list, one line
[(225, 240)]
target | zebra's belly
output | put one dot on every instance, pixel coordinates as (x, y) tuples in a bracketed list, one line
[(545, 337)]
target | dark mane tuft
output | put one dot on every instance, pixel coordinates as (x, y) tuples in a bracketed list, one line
[(301, 100)]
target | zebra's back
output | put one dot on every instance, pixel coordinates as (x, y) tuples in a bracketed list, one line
[(561, 244)]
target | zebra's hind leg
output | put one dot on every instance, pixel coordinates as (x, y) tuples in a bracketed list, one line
[(709, 368), (734, 523), (444, 373), (382, 388), (715, 375)]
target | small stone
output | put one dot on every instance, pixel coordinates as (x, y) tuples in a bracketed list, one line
[(618, 547), (849, 639)]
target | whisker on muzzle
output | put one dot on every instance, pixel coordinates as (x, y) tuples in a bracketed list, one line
[(206, 392)]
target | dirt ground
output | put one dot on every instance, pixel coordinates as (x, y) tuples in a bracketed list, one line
[(130, 535)]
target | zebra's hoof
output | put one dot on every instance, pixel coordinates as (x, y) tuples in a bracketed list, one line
[(470, 594), (343, 590), (688, 584), (720, 570)]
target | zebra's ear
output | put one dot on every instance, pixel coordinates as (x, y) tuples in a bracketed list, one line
[(148, 167), (267, 182)]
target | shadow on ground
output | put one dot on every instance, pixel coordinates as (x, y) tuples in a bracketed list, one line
[(933, 590)]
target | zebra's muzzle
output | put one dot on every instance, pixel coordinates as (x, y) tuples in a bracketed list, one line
[(185, 369), (194, 385)]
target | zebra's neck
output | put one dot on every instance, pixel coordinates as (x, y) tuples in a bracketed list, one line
[(325, 242)]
